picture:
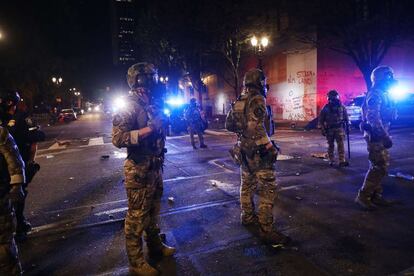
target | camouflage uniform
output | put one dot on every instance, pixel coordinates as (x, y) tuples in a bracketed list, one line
[(143, 175), (377, 113), (26, 134), (195, 123), (332, 119), (257, 174), (11, 173)]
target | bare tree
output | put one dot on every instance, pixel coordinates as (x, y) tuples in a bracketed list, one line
[(364, 30)]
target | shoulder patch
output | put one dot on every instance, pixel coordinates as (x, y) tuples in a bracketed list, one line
[(259, 112)]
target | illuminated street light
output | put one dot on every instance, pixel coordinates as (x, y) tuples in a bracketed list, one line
[(264, 42), (60, 80), (254, 41), (1, 35), (259, 47), (54, 80)]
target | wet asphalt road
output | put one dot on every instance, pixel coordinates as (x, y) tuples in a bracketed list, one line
[(77, 202)]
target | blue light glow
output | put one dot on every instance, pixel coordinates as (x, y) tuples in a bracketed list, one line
[(398, 92), (167, 112), (175, 101)]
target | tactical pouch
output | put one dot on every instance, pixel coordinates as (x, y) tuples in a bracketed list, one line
[(236, 155)]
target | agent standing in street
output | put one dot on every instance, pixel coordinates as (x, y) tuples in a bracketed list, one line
[(140, 128), (256, 154), (26, 134), (11, 192), (195, 123), (377, 113), (333, 119)]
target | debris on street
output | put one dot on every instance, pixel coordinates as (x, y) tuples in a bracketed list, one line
[(320, 155)]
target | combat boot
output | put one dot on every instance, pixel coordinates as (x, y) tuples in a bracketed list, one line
[(22, 228), (157, 248), (203, 146), (344, 164), (377, 199), (144, 269), (364, 201), (274, 237)]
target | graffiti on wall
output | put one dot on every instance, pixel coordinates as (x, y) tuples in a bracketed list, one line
[(295, 98)]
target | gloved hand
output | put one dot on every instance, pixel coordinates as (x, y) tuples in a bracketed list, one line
[(387, 142), (16, 193), (156, 119)]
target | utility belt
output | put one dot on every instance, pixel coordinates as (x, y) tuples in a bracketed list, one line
[(255, 157), (156, 161), (337, 125)]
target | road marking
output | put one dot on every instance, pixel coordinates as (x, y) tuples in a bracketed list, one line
[(57, 153), (214, 163), (96, 141), (177, 210), (57, 146)]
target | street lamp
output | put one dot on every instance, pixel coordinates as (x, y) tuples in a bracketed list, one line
[(259, 47), (57, 81), (1, 35)]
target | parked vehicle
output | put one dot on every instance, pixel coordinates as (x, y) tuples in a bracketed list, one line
[(67, 115), (404, 109), (78, 111)]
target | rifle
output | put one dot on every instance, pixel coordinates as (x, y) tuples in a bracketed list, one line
[(347, 138)]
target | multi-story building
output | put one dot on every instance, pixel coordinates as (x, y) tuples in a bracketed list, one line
[(123, 28)]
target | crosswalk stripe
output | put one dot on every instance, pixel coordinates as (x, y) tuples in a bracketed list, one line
[(96, 141)]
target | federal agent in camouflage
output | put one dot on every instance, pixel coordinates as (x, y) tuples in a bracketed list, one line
[(26, 134), (332, 119), (195, 123), (140, 128), (11, 179), (256, 154), (377, 113)]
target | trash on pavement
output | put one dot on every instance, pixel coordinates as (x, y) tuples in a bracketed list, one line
[(71, 178), (49, 156), (171, 199), (63, 143), (104, 157), (214, 183), (298, 197), (320, 155), (297, 174)]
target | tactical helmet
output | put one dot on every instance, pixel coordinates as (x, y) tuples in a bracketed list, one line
[(333, 94), (143, 75), (383, 75), (255, 78)]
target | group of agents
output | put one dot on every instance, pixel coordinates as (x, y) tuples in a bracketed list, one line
[(18, 143), (141, 129)]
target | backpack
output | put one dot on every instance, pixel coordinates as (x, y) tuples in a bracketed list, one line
[(236, 120)]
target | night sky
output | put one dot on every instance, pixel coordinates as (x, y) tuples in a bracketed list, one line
[(75, 32)]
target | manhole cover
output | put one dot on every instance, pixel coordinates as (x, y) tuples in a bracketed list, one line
[(282, 157)]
